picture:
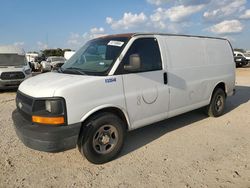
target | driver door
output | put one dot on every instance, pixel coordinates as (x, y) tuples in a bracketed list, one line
[(145, 89)]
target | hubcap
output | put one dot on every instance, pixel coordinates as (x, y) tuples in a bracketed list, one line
[(219, 103), (105, 139)]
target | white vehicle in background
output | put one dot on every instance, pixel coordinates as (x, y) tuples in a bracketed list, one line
[(14, 67), (31, 58), (118, 83), (52, 63), (246, 56), (56, 61), (68, 54), (45, 66)]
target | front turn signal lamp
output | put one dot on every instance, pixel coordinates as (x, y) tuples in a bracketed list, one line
[(48, 120), (49, 111)]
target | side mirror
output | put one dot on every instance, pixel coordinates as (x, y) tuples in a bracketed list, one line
[(134, 63)]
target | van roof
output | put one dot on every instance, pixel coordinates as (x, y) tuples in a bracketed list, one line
[(11, 50), (130, 35)]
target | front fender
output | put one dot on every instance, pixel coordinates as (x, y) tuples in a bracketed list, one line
[(103, 107)]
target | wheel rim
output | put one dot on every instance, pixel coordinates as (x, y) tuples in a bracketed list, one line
[(219, 103), (105, 139)]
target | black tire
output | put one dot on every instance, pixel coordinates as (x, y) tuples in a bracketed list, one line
[(103, 139), (245, 65), (217, 103)]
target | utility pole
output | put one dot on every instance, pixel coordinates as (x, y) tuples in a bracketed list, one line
[(47, 40)]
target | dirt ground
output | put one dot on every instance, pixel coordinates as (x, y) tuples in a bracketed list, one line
[(190, 150)]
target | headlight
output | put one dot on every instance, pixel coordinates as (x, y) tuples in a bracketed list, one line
[(49, 111), (54, 106)]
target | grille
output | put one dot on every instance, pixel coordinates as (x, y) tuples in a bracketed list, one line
[(12, 75), (24, 105), (24, 99)]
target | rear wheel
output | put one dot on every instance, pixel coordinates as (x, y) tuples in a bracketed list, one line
[(103, 139), (217, 103)]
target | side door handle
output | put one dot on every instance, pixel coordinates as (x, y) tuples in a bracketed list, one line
[(165, 78)]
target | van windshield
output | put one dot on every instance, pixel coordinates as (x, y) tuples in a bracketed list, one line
[(12, 60), (96, 57)]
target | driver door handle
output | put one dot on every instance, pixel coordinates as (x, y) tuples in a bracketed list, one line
[(165, 78)]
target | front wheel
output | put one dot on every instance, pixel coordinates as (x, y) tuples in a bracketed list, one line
[(217, 103), (103, 139)]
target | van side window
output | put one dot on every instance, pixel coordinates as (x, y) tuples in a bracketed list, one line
[(147, 50)]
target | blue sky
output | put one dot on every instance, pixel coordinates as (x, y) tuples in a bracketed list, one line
[(36, 25)]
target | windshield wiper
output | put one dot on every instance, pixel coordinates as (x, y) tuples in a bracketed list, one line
[(72, 70)]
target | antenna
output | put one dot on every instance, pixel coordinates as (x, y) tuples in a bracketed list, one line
[(47, 40)]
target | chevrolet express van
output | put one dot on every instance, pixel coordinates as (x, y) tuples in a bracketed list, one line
[(118, 83), (13, 67)]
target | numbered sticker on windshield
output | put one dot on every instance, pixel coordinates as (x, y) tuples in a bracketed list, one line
[(115, 43)]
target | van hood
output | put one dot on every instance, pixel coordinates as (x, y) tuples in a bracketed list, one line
[(45, 85)]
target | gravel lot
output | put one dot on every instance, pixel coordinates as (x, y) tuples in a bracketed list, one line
[(190, 150)]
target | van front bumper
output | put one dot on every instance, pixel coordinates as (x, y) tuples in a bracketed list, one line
[(47, 138)]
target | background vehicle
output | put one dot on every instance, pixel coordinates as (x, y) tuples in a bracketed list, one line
[(45, 66), (56, 61), (240, 61), (246, 57), (52, 63), (37, 62), (68, 54), (14, 67), (31, 59)]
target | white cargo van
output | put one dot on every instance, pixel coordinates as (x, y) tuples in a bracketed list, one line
[(13, 67), (118, 83)]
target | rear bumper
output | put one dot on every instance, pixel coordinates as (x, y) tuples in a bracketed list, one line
[(45, 137)]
